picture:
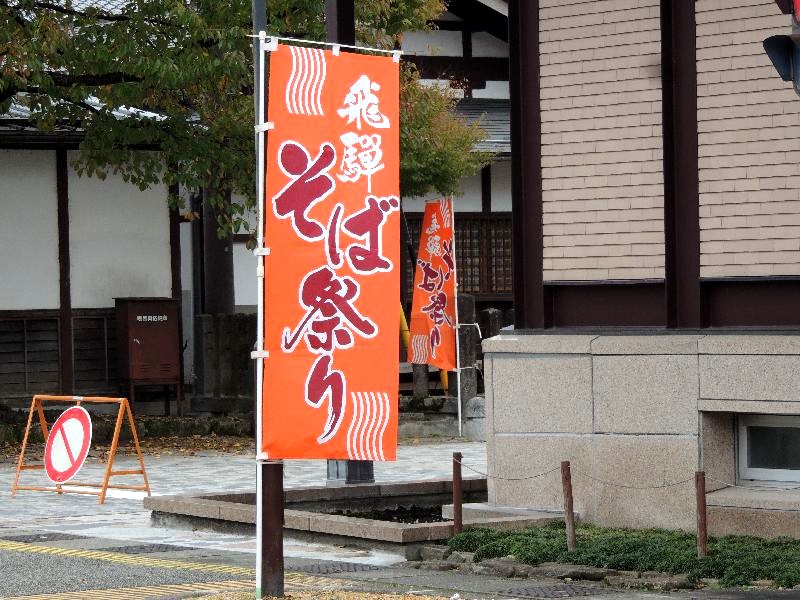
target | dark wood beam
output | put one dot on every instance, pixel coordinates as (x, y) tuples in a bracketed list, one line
[(66, 350), (340, 21), (486, 189), (478, 14), (175, 246), (474, 70), (218, 287), (767, 302), (605, 304), (526, 164), (681, 184)]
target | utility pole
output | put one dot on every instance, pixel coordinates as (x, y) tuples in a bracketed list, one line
[(340, 27)]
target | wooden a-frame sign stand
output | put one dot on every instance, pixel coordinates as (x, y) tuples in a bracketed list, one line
[(124, 409)]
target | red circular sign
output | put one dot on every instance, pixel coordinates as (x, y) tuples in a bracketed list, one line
[(68, 444)]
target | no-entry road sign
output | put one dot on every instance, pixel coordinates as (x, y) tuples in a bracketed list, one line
[(68, 444)]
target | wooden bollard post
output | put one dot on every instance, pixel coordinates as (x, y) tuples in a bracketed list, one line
[(458, 522), (702, 525), (569, 513)]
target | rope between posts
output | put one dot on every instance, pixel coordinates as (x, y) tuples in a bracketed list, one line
[(474, 470), (671, 484), (632, 487)]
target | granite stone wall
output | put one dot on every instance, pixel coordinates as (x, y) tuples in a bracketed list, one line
[(633, 414)]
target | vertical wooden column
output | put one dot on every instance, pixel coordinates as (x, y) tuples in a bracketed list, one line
[(66, 351), (681, 180), (569, 512), (526, 164), (340, 21), (458, 495), (218, 292), (702, 522)]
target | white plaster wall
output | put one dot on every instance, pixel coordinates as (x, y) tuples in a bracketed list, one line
[(245, 295), (469, 201), (436, 43), (496, 90), (485, 44), (119, 241), (501, 186), (28, 230)]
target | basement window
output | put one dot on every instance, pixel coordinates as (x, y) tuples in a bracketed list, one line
[(769, 448)]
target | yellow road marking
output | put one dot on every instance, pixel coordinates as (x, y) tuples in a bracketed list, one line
[(293, 582), (128, 559), (153, 591)]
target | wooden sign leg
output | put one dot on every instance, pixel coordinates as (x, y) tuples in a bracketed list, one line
[(21, 461), (45, 430), (136, 445), (112, 452)]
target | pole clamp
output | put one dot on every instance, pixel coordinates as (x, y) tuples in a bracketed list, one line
[(264, 127), (269, 43), (256, 354)]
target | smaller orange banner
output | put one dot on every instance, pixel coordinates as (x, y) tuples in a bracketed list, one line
[(433, 311)]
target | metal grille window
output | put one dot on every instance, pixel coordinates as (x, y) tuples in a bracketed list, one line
[(483, 254), (769, 448)]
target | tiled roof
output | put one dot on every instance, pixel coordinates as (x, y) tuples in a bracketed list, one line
[(495, 119)]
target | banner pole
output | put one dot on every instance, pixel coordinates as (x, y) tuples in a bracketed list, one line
[(457, 327), (259, 89)]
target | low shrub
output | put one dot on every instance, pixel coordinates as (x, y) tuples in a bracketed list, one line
[(734, 560)]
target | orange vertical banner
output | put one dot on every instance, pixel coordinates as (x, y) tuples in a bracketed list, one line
[(332, 226), (433, 310)]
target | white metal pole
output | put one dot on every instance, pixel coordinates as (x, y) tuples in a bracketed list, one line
[(260, 133), (457, 326)]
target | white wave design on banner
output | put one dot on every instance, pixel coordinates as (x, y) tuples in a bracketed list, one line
[(419, 344), (371, 413), (444, 208), (304, 89)]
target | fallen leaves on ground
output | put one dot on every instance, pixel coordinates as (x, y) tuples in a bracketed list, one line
[(330, 596), (161, 446)]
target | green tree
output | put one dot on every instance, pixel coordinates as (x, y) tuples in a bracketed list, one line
[(163, 89)]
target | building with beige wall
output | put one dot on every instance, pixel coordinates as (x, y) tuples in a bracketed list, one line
[(655, 190)]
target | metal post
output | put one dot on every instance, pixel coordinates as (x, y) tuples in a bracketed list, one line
[(270, 547), (269, 475), (702, 529), (569, 513), (458, 519), (459, 379)]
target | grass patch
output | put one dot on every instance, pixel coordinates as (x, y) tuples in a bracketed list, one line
[(734, 560)]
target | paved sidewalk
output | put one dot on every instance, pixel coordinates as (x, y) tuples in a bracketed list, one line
[(123, 518), (71, 548)]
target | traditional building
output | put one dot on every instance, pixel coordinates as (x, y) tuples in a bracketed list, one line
[(656, 202)]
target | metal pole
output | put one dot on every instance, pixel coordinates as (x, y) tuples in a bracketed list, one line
[(269, 475), (702, 529), (569, 513), (270, 546), (458, 496), (458, 331)]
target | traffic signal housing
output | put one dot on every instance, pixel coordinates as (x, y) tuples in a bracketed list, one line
[(784, 50)]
